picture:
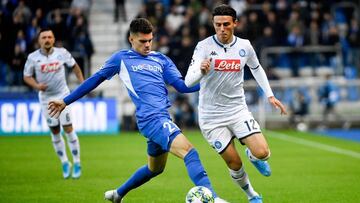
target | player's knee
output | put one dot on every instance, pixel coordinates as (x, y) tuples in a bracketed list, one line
[(68, 128), (262, 153), (234, 164), (55, 130), (157, 171)]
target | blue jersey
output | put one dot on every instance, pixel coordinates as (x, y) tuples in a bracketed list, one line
[(145, 78)]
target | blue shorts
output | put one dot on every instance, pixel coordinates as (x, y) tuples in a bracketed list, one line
[(160, 133)]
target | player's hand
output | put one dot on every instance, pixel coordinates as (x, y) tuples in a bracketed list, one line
[(277, 104), (205, 66), (56, 107), (42, 86)]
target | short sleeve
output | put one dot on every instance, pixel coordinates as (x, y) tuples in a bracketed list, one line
[(68, 59), (29, 67), (111, 66)]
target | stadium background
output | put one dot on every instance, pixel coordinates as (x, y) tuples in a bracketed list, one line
[(298, 43)]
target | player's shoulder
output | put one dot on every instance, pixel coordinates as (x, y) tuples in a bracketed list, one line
[(243, 41), (61, 50), (34, 55), (158, 56), (206, 42)]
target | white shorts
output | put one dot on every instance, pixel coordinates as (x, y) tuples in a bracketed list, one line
[(64, 118), (219, 135)]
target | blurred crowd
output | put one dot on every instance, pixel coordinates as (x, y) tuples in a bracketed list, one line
[(20, 21)]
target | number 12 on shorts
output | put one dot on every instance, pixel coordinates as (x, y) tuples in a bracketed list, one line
[(251, 125)]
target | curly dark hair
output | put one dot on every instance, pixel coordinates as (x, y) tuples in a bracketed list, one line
[(140, 25)]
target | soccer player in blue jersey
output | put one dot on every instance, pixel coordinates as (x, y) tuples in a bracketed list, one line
[(145, 74)]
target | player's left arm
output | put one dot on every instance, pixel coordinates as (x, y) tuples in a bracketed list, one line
[(78, 73), (173, 77), (261, 78), (71, 63), (198, 67), (181, 87)]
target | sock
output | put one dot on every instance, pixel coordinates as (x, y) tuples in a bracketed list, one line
[(74, 145), (196, 171), (241, 178), (141, 176), (59, 146), (253, 158)]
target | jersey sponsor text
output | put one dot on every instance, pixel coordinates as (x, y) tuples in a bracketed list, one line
[(227, 65)]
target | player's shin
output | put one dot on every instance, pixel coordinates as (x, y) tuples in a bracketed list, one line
[(59, 147), (141, 176), (196, 170), (241, 178), (74, 145)]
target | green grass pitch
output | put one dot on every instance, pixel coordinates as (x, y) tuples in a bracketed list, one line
[(306, 168)]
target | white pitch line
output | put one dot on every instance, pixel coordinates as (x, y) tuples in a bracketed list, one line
[(318, 145)]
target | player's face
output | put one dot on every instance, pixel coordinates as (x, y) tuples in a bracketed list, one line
[(224, 28), (141, 42), (46, 40)]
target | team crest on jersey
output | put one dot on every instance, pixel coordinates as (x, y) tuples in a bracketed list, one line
[(242, 52), (217, 144), (227, 65), (59, 57)]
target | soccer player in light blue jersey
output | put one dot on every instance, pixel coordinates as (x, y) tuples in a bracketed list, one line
[(145, 74)]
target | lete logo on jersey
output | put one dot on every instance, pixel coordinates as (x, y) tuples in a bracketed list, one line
[(228, 65), (50, 67)]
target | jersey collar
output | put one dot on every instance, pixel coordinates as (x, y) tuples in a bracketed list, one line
[(225, 46), (46, 54)]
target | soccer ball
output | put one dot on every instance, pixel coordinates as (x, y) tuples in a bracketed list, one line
[(199, 194)]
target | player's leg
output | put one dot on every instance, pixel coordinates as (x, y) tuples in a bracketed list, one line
[(72, 140), (182, 148), (248, 131), (221, 139), (156, 164), (57, 141), (258, 152), (237, 171)]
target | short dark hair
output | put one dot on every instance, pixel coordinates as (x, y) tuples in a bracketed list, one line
[(45, 29), (140, 25), (224, 10)]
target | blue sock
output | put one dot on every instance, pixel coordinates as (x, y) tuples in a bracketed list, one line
[(196, 171), (141, 176)]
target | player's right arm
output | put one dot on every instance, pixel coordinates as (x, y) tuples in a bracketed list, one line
[(111, 67), (29, 79), (32, 83), (199, 66)]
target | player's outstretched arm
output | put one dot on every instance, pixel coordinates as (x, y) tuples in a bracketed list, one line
[(181, 87), (196, 71), (56, 107), (277, 104)]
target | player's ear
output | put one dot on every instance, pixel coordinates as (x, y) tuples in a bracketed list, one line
[(235, 22)]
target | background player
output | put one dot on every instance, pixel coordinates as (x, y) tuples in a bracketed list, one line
[(48, 65), (145, 74), (218, 63)]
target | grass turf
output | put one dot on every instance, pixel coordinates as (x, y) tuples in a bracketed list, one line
[(30, 171)]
